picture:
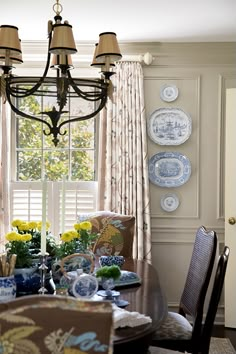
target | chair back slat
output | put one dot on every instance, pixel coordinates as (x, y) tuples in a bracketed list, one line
[(200, 269), (198, 277), (214, 300)]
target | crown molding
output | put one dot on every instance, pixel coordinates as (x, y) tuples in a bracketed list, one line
[(216, 53)]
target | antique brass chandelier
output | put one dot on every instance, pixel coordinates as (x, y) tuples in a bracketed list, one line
[(61, 46)]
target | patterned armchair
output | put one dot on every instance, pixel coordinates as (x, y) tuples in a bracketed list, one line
[(116, 232), (55, 325)]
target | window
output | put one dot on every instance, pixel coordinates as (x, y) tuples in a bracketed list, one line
[(35, 157)]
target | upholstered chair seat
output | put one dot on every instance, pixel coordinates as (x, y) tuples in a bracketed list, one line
[(174, 327)]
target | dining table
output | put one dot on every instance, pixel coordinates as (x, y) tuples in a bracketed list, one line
[(145, 297), (148, 299)]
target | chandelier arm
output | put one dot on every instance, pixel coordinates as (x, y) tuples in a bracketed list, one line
[(16, 86), (88, 116), (23, 114), (100, 88), (21, 92), (94, 95), (33, 89)]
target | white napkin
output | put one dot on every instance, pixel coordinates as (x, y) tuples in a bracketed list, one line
[(124, 318)]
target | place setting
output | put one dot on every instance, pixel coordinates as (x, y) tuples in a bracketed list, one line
[(102, 282)]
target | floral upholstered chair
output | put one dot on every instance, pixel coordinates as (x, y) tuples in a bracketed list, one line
[(116, 232), (45, 324)]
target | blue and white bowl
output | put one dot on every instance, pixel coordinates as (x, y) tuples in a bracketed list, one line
[(7, 288), (111, 260)]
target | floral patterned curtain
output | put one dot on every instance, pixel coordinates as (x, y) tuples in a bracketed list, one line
[(4, 170), (123, 160)]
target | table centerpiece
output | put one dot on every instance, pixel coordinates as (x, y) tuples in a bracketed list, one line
[(79, 240), (24, 242)]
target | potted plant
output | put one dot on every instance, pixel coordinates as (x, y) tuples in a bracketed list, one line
[(24, 241), (79, 240)]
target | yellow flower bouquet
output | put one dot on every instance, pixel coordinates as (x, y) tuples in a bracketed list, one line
[(20, 245), (25, 239), (79, 240)]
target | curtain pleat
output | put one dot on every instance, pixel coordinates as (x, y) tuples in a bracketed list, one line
[(123, 160), (4, 170)]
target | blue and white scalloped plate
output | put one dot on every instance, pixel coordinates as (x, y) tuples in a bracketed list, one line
[(169, 169), (127, 278)]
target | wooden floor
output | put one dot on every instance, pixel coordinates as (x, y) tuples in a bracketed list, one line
[(221, 331)]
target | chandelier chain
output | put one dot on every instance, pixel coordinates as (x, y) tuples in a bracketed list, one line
[(57, 8)]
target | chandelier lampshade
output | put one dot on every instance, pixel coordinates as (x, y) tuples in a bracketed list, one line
[(9, 41), (60, 61), (95, 62), (63, 40), (13, 59), (61, 45), (108, 47)]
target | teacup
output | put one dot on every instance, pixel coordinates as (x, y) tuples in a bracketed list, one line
[(111, 260)]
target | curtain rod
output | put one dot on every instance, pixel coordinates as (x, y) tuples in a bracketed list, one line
[(147, 58)]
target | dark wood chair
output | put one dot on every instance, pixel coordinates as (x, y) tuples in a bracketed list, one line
[(214, 300), (176, 332)]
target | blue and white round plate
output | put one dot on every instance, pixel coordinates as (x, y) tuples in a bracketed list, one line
[(169, 93), (85, 286), (169, 202)]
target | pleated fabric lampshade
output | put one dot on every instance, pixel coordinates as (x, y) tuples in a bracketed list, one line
[(61, 60), (95, 62), (10, 45), (108, 47), (63, 40)]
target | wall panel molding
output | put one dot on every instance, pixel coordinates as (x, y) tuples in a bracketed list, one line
[(181, 236), (191, 149)]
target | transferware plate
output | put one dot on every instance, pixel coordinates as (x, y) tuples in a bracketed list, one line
[(169, 169)]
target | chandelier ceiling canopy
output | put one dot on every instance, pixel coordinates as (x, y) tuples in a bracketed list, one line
[(61, 47)]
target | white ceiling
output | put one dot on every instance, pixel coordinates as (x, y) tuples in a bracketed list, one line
[(132, 20)]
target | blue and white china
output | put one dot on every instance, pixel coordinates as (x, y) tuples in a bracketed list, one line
[(28, 280), (7, 288), (169, 93), (111, 260), (85, 286), (108, 284), (112, 295), (169, 126), (127, 278), (169, 202), (169, 169)]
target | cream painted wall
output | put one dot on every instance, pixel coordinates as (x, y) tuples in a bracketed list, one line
[(201, 72)]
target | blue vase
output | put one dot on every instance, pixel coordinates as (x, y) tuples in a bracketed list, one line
[(28, 281), (7, 288)]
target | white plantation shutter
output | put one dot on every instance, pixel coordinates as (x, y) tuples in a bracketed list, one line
[(26, 202), (80, 197)]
